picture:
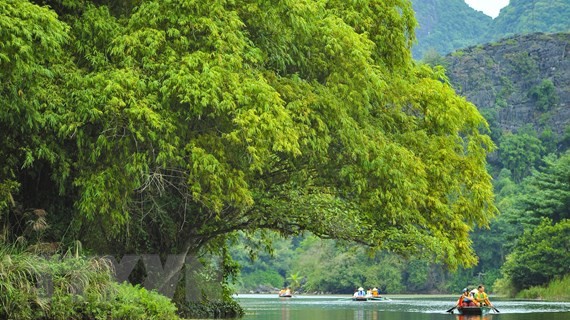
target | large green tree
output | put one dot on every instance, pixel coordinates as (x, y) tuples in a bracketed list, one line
[(167, 125), (540, 256), (520, 153), (547, 192)]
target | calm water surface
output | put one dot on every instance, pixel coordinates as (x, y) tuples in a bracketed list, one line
[(270, 307)]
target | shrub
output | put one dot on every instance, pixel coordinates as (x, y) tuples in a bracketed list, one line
[(227, 308), (544, 95), (135, 302), (64, 287)]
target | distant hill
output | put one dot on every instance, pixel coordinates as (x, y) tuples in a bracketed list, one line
[(529, 16), (518, 81), (447, 25)]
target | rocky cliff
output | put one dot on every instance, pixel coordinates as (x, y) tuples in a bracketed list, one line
[(517, 81)]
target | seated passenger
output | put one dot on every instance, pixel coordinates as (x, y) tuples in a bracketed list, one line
[(481, 297), (465, 300), (375, 292)]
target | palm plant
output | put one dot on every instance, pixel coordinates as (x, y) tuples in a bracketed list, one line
[(294, 281)]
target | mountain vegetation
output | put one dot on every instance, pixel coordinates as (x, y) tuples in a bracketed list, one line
[(448, 25), (165, 127), (524, 17)]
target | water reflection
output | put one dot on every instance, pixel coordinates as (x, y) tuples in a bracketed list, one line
[(359, 314), (285, 313), (474, 317), (362, 314)]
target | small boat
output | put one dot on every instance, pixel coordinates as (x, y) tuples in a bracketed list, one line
[(474, 310), (369, 298), (359, 298), (285, 296), (378, 298)]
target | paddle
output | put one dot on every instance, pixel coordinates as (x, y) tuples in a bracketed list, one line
[(451, 310), (496, 310)]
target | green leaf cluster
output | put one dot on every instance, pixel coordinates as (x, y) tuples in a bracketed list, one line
[(540, 256)]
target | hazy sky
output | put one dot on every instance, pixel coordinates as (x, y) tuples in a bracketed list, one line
[(489, 7)]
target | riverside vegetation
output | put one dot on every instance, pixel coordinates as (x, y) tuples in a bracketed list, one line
[(177, 127)]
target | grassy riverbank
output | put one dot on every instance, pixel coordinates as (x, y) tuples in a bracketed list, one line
[(72, 287), (557, 290)]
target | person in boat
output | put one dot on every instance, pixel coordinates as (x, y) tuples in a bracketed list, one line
[(287, 292), (375, 292), (466, 300), (360, 292), (473, 292), (482, 298)]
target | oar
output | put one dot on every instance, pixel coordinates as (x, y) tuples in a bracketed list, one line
[(451, 310), (496, 310)]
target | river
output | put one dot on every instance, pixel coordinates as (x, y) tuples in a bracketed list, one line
[(270, 307)]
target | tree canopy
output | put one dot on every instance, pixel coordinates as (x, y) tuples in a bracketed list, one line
[(167, 125)]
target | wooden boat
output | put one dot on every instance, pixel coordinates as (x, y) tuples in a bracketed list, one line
[(474, 310), (359, 298), (369, 298), (378, 298)]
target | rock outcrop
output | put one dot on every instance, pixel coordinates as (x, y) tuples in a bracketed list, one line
[(517, 81)]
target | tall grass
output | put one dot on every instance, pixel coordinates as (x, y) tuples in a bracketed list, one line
[(557, 290), (71, 287), (18, 275)]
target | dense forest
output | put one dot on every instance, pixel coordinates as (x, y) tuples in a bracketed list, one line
[(522, 86), (159, 133), (447, 25)]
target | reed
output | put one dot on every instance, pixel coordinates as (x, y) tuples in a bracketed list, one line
[(556, 290)]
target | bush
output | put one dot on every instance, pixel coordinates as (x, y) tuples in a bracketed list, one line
[(135, 302), (63, 287), (503, 286), (556, 290), (220, 309), (544, 95), (262, 278)]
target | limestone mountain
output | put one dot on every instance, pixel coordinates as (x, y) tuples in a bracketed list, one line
[(518, 81)]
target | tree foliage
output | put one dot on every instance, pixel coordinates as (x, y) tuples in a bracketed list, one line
[(548, 190), (540, 256), (167, 125), (520, 153)]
